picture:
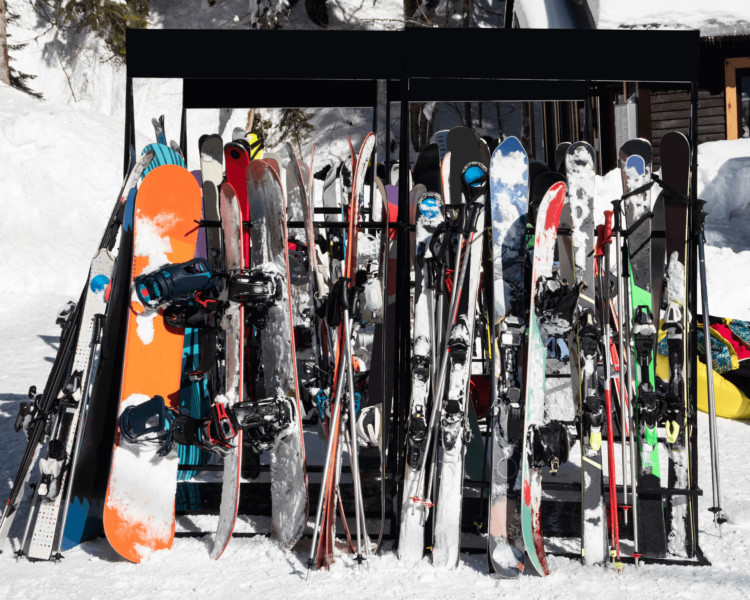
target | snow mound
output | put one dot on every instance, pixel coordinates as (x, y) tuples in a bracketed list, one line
[(729, 17), (61, 173)]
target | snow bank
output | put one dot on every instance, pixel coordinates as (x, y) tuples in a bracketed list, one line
[(60, 176), (724, 183), (728, 17)]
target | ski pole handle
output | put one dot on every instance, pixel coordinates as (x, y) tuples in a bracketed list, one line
[(441, 287), (429, 274), (604, 233), (616, 206)]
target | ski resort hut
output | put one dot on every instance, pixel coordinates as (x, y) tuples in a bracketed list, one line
[(632, 109)]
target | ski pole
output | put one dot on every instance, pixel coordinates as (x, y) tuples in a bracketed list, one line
[(620, 343), (324, 483), (345, 305), (715, 475), (626, 333), (385, 417), (604, 235)]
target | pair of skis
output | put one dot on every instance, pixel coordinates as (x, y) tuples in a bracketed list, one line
[(56, 415), (442, 349)]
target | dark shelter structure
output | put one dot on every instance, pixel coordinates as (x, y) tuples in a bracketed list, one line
[(483, 65)]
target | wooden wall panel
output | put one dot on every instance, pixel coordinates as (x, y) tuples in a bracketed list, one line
[(670, 111)]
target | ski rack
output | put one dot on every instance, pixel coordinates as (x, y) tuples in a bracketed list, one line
[(456, 76), (261, 84)]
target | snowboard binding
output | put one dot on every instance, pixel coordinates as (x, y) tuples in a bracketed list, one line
[(593, 418), (148, 422), (550, 446), (416, 436), (51, 469), (555, 304), (258, 291), (674, 405), (265, 421), (173, 283), (65, 314), (451, 423), (181, 316), (214, 434)]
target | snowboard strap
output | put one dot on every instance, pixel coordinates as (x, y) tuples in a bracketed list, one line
[(206, 223), (148, 422), (208, 355)]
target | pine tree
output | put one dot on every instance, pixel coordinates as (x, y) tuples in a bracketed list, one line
[(15, 78), (108, 19), (295, 126)]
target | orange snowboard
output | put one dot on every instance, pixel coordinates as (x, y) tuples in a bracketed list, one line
[(139, 509)]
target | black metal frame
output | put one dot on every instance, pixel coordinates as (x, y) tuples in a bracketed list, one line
[(475, 70)]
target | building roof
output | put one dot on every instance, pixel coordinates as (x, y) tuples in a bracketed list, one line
[(713, 18)]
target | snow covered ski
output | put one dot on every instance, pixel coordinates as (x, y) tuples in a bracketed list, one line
[(551, 312), (508, 201)]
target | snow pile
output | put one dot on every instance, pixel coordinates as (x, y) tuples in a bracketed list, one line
[(724, 183), (60, 176), (728, 17)]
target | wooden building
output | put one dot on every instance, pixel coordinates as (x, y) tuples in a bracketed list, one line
[(724, 81)]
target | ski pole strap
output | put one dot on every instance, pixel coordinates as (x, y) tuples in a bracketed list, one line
[(429, 273), (639, 190), (669, 191), (638, 222), (438, 245), (441, 287), (699, 217), (344, 291), (458, 223)]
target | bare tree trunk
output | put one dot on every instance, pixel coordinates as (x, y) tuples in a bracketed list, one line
[(250, 117), (500, 132), (410, 7), (467, 115), (467, 9), (526, 128), (4, 63)]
